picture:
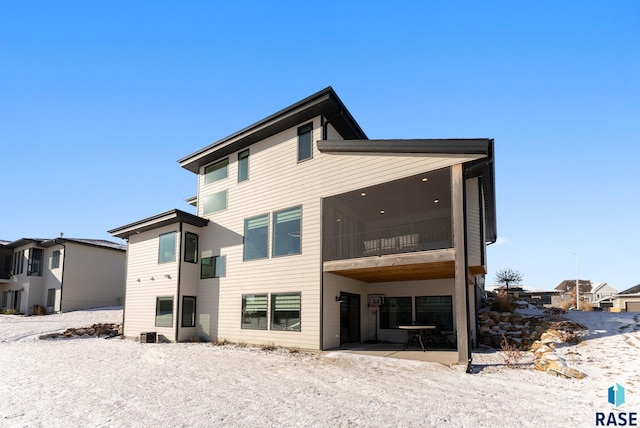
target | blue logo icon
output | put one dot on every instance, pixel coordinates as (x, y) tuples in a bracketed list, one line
[(616, 395)]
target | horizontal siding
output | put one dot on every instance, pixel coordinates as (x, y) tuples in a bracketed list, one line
[(475, 244)]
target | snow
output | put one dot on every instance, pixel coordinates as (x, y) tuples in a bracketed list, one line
[(93, 382)]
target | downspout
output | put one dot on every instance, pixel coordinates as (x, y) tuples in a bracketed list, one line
[(64, 260), (466, 273), (178, 318)]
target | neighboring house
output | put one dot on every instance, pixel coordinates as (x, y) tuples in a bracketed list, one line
[(303, 225), (61, 274), (520, 292), (627, 300), (597, 294)]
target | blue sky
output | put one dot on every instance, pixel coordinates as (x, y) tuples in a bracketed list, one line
[(99, 99)]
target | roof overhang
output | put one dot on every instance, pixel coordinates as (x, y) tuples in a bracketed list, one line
[(324, 103), (157, 221), (24, 241), (482, 167)]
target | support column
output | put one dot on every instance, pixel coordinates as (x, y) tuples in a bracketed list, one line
[(461, 287)]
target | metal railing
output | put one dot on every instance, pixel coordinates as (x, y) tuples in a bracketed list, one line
[(405, 238)]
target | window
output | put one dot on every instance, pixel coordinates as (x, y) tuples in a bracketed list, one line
[(435, 310), (256, 237), (191, 248), (395, 311), (164, 312), (286, 231), (34, 267), (55, 259), (167, 250), (216, 202), (243, 166), (254, 311), (51, 297), (18, 262), (285, 312), (213, 267), (188, 311), (215, 172), (304, 142), (5, 299)]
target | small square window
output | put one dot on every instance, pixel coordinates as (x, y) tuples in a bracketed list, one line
[(213, 267), (214, 203), (285, 312), (217, 171), (254, 311)]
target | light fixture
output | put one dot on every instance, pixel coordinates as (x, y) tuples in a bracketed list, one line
[(340, 299), (381, 211), (167, 276), (435, 201), (138, 279), (338, 219), (425, 179), (363, 194), (152, 279)]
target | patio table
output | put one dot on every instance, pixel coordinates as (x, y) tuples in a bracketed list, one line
[(416, 331)]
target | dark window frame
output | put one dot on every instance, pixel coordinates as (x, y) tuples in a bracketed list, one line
[(256, 314), (304, 132), (191, 321), (243, 166), (192, 253), (402, 318), (34, 265), (275, 326), (160, 299), (442, 319), (275, 252), (161, 259), (55, 259), (51, 297), (266, 246), (212, 264)]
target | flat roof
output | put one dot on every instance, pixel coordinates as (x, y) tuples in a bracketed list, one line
[(157, 221)]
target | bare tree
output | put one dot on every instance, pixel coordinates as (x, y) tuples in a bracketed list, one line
[(508, 276)]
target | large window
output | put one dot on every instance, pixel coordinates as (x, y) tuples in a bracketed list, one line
[(435, 310), (18, 262), (191, 247), (395, 311), (188, 311), (216, 202), (285, 312), (55, 259), (304, 142), (286, 231), (213, 267), (35, 262), (167, 248), (216, 172), (51, 297), (256, 237), (243, 166), (164, 312), (254, 311)]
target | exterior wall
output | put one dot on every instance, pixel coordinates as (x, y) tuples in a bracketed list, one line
[(142, 290), (53, 277), (190, 283), (30, 286), (620, 302), (93, 277), (475, 241), (277, 181)]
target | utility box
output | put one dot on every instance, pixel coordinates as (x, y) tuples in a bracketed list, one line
[(149, 337)]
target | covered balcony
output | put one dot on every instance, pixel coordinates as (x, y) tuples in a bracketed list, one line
[(400, 230)]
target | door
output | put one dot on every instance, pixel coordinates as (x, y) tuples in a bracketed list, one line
[(349, 318), (633, 306)]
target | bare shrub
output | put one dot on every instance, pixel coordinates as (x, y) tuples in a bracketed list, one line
[(565, 305), (502, 303), (294, 350), (511, 352), (241, 344), (38, 310), (220, 342), (268, 347), (586, 306)]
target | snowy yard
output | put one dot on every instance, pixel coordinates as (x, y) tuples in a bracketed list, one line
[(98, 382)]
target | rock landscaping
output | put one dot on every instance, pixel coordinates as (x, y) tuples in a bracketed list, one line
[(106, 330), (541, 334)]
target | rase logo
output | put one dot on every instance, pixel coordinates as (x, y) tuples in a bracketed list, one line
[(615, 396)]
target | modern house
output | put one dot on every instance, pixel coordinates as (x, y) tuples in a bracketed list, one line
[(627, 300), (598, 294), (61, 274), (308, 234)]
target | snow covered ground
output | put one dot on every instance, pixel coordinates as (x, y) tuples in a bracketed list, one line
[(90, 382)]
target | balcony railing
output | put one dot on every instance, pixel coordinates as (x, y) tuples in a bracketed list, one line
[(406, 238)]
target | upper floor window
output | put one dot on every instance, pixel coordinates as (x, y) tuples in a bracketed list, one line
[(216, 172), (243, 166), (304, 142), (167, 248), (18, 262), (286, 231), (55, 259), (191, 247), (213, 267), (256, 237), (35, 262), (215, 202)]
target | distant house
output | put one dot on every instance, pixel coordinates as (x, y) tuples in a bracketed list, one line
[(308, 234), (598, 294), (61, 274), (628, 300)]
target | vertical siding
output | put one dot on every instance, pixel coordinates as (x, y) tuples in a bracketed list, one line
[(278, 181)]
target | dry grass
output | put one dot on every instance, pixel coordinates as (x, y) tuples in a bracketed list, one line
[(511, 352), (586, 306), (565, 305), (268, 347), (220, 342), (503, 304)]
